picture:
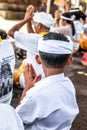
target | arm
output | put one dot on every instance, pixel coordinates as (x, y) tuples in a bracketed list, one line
[(18, 26), (30, 78)]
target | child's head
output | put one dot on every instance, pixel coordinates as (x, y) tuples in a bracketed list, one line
[(3, 34), (55, 49)]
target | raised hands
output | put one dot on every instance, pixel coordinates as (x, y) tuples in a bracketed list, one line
[(29, 12)]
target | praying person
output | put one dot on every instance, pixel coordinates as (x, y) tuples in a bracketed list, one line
[(42, 22), (51, 102)]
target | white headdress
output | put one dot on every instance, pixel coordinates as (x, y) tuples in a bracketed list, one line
[(44, 18), (55, 46)]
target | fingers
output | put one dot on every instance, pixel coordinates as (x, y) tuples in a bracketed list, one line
[(30, 76), (26, 69), (30, 7), (29, 70), (37, 78), (29, 12)]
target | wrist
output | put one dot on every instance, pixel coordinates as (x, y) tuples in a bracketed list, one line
[(28, 86)]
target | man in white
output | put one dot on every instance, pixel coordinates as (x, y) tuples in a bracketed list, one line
[(42, 22)]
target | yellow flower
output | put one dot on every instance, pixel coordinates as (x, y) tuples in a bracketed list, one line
[(0, 39)]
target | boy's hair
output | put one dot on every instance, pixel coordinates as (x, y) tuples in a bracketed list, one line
[(3, 34), (54, 60)]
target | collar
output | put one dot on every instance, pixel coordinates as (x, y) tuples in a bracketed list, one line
[(43, 33)]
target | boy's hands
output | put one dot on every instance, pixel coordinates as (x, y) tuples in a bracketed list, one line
[(30, 76)]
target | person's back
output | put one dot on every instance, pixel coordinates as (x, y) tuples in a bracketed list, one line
[(41, 22), (9, 119), (7, 63), (51, 102)]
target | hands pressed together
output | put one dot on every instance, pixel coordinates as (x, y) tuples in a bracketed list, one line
[(30, 76), (29, 12)]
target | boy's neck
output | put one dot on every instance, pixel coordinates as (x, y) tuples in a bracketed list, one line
[(50, 71)]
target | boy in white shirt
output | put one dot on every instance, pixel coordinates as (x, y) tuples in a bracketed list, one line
[(51, 102)]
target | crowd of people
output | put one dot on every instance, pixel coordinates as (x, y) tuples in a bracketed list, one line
[(48, 100)]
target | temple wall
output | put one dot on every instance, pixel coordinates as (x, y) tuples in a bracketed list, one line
[(15, 9)]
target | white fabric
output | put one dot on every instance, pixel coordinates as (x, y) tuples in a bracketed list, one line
[(9, 119), (55, 46), (7, 63), (49, 105), (44, 18), (29, 41), (65, 30), (78, 28), (75, 10), (85, 28), (66, 18)]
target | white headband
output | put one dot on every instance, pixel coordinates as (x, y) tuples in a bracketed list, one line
[(75, 10), (63, 17), (55, 46)]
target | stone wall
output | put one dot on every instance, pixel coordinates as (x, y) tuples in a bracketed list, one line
[(34, 2), (15, 9)]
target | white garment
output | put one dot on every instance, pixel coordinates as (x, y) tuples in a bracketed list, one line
[(7, 63), (49, 105), (78, 28), (44, 18), (65, 30), (29, 42), (9, 119)]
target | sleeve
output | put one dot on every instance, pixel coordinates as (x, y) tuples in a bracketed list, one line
[(28, 110), (26, 41)]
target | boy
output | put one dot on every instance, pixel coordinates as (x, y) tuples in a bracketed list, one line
[(51, 102)]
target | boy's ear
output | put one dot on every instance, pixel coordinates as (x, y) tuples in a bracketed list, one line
[(69, 62), (37, 57)]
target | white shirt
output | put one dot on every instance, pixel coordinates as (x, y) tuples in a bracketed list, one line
[(9, 119), (7, 63), (78, 28), (29, 42), (49, 105), (65, 30)]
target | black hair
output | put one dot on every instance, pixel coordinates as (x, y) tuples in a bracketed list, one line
[(3, 34), (54, 60), (79, 15), (68, 15)]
